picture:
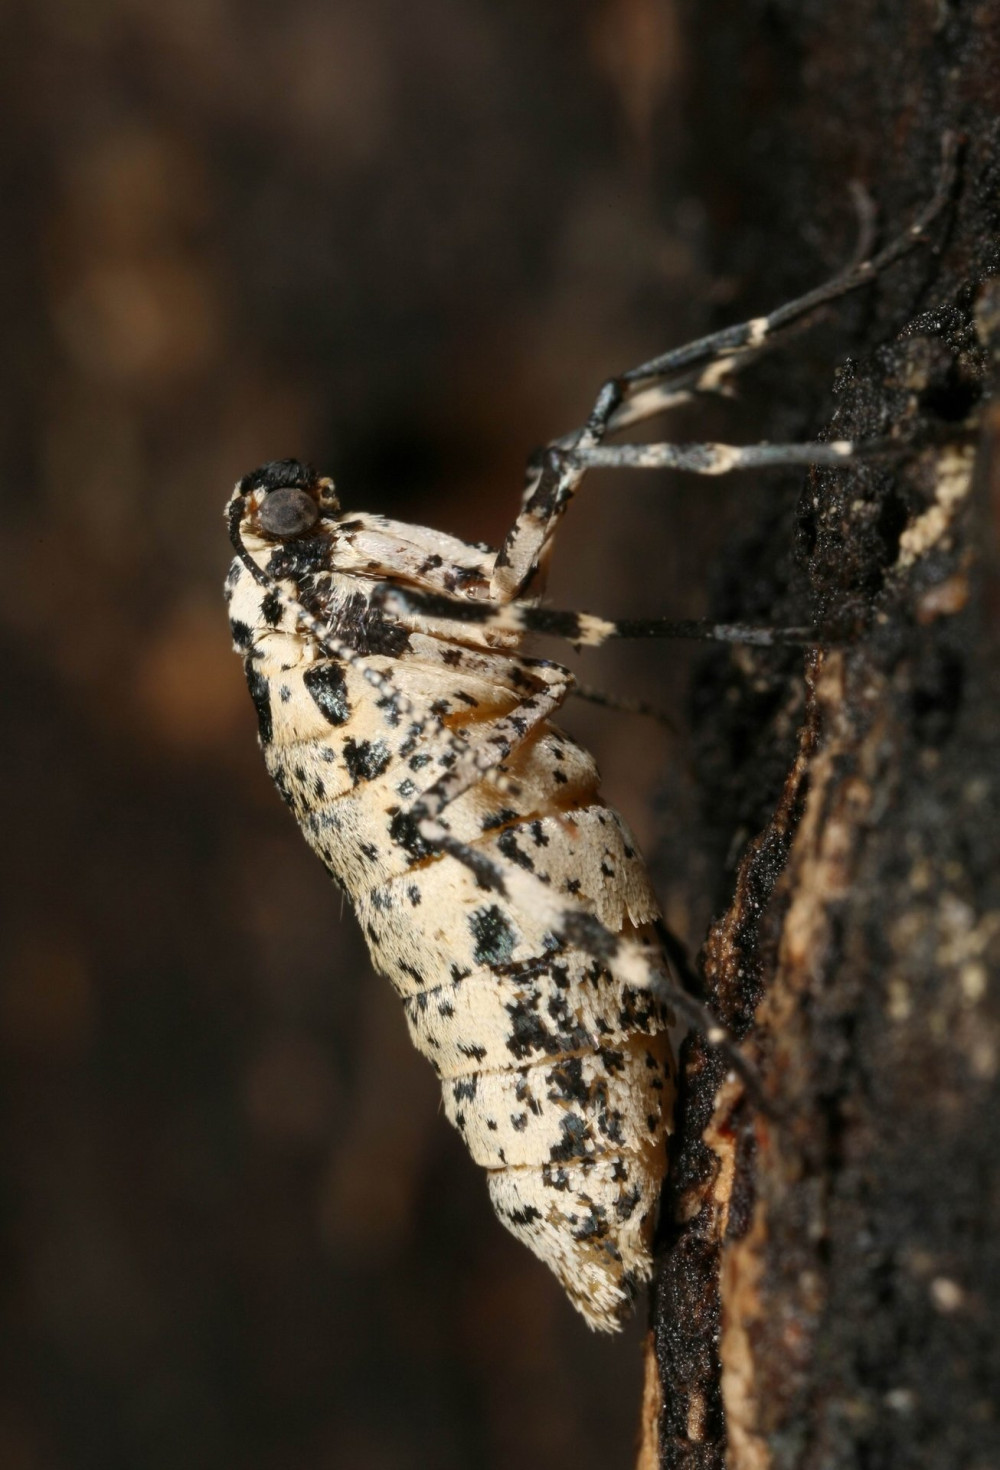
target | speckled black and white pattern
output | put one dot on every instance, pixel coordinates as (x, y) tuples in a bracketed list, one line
[(506, 903), (554, 1068)]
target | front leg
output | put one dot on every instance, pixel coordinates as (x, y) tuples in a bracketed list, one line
[(671, 379), (529, 539)]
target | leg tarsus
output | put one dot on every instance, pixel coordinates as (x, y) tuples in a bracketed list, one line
[(864, 207), (623, 704), (753, 333), (684, 999)]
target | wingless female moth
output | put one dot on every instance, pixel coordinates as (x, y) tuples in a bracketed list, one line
[(506, 902)]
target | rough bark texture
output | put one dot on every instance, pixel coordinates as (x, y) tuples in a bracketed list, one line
[(831, 1274)]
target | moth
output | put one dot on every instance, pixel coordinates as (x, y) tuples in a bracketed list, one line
[(414, 740)]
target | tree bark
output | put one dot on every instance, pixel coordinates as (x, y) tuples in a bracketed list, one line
[(830, 1277)]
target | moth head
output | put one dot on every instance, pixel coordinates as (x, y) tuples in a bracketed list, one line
[(286, 498)]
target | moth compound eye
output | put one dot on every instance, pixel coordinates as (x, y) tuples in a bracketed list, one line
[(287, 513)]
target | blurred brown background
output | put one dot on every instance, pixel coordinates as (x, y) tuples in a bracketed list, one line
[(405, 242)]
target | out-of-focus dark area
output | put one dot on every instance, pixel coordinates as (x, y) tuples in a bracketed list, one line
[(405, 242)]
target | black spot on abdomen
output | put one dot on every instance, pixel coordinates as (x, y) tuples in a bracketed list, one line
[(366, 759), (494, 935), (261, 695), (242, 635), (325, 683), (270, 609)]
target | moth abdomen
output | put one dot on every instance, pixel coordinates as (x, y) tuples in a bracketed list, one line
[(556, 1072)]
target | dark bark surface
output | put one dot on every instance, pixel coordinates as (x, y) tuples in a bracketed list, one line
[(830, 1284)]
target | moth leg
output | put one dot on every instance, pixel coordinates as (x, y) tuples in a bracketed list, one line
[(751, 335), (622, 704), (475, 755), (723, 459), (683, 387), (654, 385), (586, 630)]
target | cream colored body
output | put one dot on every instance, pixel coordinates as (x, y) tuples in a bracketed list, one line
[(558, 1075)]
